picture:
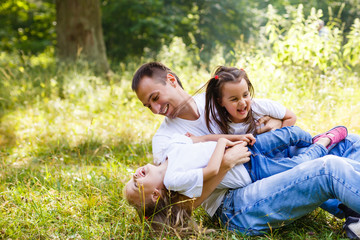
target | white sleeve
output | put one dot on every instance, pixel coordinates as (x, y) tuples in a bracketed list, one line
[(188, 183), (268, 107), (160, 144)]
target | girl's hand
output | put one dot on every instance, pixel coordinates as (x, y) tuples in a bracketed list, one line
[(194, 138), (269, 124), (237, 154)]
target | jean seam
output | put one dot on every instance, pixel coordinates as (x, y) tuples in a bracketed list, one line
[(281, 146)]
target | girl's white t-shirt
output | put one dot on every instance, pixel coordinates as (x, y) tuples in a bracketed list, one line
[(260, 108), (186, 161)]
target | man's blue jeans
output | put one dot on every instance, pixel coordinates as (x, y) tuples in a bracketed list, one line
[(282, 198)]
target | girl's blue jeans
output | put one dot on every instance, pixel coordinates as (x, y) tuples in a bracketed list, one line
[(282, 198), (265, 163)]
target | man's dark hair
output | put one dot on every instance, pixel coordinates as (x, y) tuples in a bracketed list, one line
[(154, 70)]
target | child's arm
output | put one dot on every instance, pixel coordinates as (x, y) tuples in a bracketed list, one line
[(248, 138), (289, 119), (233, 156), (271, 123), (212, 169)]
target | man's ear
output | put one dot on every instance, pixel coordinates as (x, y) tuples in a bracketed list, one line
[(172, 79), (155, 195)]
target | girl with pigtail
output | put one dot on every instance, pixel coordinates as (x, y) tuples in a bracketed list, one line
[(230, 105)]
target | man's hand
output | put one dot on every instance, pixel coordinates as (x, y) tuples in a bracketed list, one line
[(237, 154), (269, 124)]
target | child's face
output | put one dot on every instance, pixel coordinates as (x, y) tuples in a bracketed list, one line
[(143, 183), (237, 100)]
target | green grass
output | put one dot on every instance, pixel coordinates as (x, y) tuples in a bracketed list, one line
[(70, 139)]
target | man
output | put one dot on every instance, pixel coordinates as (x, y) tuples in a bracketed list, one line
[(159, 89)]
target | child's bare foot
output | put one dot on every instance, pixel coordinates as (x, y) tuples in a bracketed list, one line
[(331, 137)]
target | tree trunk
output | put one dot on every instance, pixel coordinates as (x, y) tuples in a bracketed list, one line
[(79, 32)]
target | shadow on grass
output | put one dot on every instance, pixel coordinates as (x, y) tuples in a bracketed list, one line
[(7, 136), (92, 152)]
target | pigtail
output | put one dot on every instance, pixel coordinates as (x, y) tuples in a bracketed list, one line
[(212, 106), (252, 123)]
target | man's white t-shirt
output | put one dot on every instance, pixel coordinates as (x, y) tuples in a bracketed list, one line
[(170, 127), (186, 161)]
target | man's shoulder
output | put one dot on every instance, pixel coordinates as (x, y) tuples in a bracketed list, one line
[(200, 100)]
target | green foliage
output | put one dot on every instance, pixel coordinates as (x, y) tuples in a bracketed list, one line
[(142, 25), (137, 28), (352, 47), (70, 139), (26, 25)]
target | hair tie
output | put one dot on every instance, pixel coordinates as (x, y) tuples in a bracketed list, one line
[(242, 69), (216, 77)]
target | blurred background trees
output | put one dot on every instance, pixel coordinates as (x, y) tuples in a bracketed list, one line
[(79, 32), (133, 29)]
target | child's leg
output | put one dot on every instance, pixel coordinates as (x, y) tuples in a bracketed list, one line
[(273, 142), (263, 166)]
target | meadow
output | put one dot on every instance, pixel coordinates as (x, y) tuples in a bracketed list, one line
[(70, 138)]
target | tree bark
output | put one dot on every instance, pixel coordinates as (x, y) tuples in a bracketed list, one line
[(79, 32)]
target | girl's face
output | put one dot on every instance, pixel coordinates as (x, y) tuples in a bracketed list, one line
[(145, 181), (236, 99)]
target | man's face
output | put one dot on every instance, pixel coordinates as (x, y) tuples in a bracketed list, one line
[(160, 98)]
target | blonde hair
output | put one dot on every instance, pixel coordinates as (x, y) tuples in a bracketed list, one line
[(171, 211)]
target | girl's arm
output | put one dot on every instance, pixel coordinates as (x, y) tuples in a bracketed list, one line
[(248, 138), (289, 119), (271, 123), (212, 169), (235, 155)]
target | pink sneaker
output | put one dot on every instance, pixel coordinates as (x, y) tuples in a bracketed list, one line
[(338, 133)]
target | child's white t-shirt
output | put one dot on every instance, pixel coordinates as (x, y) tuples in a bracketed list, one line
[(186, 161), (260, 108)]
